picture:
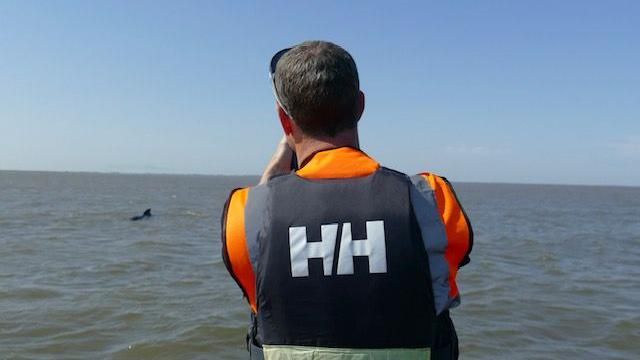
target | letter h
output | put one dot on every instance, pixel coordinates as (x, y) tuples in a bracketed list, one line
[(301, 250), (373, 247)]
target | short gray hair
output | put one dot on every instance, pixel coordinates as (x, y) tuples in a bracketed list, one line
[(318, 84)]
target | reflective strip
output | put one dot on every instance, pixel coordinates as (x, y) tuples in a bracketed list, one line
[(255, 212), (434, 237), (283, 352)]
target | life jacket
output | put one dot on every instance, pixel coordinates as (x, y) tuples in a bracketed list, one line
[(346, 254)]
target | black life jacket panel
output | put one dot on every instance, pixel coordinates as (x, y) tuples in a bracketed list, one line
[(340, 263)]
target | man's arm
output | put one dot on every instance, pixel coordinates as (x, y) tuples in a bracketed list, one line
[(455, 219), (455, 228), (280, 162), (235, 252)]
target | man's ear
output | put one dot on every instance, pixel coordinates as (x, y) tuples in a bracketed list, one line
[(360, 105), (285, 121)]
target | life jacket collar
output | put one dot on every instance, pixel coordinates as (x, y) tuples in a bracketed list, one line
[(338, 163)]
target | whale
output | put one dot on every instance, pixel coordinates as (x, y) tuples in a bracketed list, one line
[(145, 215)]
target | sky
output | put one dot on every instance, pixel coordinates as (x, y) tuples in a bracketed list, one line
[(481, 91)]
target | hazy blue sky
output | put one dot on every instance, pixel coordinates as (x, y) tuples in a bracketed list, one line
[(509, 91)]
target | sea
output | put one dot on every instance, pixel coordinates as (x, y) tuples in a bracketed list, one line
[(554, 272)]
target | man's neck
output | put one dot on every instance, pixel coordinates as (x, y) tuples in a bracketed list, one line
[(309, 146)]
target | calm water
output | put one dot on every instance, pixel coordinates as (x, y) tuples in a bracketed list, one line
[(555, 270)]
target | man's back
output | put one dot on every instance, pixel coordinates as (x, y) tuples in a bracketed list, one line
[(340, 257)]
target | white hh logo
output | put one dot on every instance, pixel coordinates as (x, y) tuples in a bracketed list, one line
[(373, 247)]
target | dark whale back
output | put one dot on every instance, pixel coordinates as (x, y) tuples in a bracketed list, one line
[(146, 214)]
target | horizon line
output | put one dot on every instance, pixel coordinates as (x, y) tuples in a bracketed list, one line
[(256, 175)]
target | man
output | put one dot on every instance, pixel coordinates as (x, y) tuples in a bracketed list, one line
[(342, 258)]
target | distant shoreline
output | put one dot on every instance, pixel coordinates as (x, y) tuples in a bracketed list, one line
[(256, 176), (123, 173)]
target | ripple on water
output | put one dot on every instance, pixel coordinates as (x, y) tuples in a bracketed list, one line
[(624, 334), (29, 293), (192, 342), (187, 283)]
